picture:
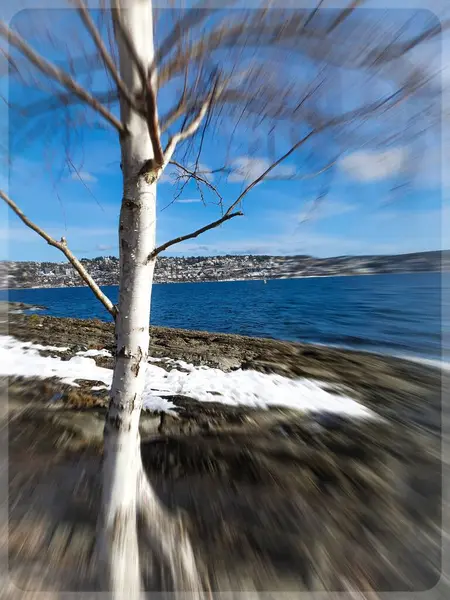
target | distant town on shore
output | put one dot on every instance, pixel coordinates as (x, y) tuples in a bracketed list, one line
[(105, 269)]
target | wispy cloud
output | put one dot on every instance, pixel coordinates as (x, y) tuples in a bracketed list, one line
[(105, 247), (84, 176), (188, 200), (247, 168), (372, 165)]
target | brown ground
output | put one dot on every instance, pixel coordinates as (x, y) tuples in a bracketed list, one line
[(274, 500)]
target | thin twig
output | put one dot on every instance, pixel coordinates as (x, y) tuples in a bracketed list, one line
[(152, 120), (303, 177), (196, 175), (286, 38), (58, 75), (62, 245), (193, 17), (269, 169), (229, 214), (71, 164), (104, 53)]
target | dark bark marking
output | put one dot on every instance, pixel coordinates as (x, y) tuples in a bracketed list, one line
[(124, 245), (135, 368), (122, 352), (130, 204), (149, 171), (137, 362)]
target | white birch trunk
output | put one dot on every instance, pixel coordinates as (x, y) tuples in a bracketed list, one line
[(126, 492)]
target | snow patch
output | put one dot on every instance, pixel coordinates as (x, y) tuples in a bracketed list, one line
[(247, 388), (32, 346), (93, 352)]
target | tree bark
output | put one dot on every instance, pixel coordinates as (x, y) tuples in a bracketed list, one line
[(127, 495)]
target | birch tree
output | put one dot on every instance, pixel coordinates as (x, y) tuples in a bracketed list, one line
[(225, 67)]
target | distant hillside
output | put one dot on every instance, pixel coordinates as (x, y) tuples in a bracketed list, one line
[(221, 268)]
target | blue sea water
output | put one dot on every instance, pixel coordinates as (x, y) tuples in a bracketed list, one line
[(401, 314)]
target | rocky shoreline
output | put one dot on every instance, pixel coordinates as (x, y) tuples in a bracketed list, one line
[(274, 499)]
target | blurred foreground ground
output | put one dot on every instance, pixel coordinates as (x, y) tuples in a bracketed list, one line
[(275, 500)]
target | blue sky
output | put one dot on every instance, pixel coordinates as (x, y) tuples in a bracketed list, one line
[(359, 215)]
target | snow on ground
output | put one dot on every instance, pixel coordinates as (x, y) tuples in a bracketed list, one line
[(205, 384), (89, 353)]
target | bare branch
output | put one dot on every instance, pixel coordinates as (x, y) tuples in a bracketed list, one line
[(303, 177), (62, 245), (194, 234), (395, 51), (189, 131), (152, 120), (193, 17), (63, 100), (269, 169), (396, 96), (58, 75), (106, 57), (312, 14), (72, 166), (229, 214), (344, 14), (292, 35)]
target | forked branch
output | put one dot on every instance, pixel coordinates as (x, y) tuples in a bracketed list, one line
[(62, 245), (371, 108), (229, 213)]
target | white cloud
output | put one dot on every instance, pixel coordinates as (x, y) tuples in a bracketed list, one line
[(85, 176), (105, 247), (188, 200), (246, 168), (373, 165)]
